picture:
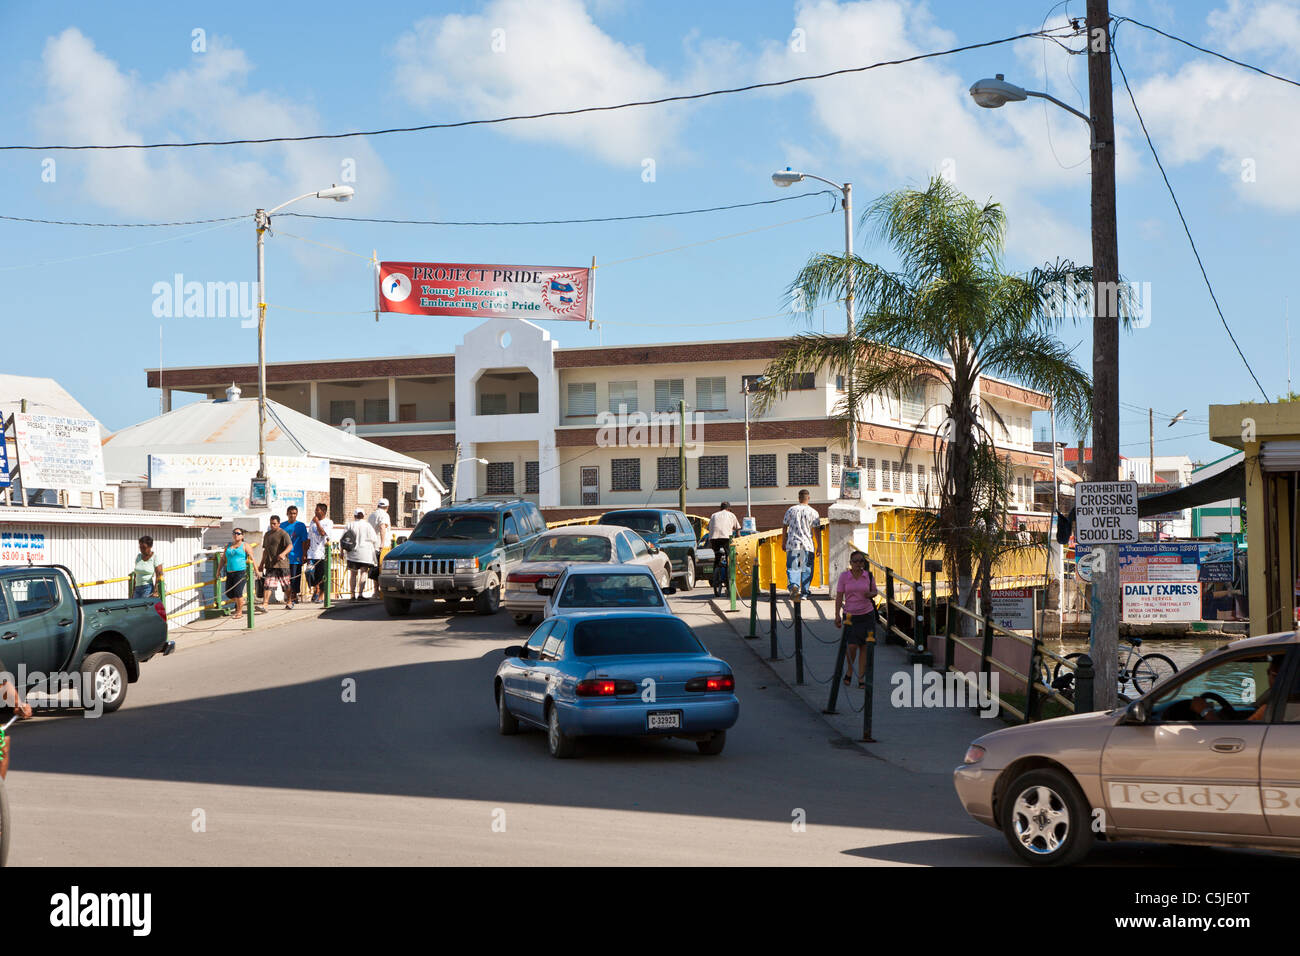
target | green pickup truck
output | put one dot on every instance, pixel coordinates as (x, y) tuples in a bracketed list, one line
[(51, 637)]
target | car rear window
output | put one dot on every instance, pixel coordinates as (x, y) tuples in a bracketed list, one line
[(636, 520), (610, 590), (636, 635), (569, 547)]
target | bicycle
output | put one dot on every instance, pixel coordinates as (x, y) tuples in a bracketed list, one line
[(719, 576), (1143, 671)]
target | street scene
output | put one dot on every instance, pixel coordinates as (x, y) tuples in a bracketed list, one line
[(586, 433)]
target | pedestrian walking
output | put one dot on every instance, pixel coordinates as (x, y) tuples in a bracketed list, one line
[(800, 543), (147, 576), (236, 559), (276, 545), (722, 525), (297, 532), (855, 611), (318, 539), (360, 545), (382, 522)]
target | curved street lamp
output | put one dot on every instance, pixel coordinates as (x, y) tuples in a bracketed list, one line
[(995, 93)]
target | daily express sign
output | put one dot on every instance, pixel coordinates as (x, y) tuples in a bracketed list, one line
[(517, 292)]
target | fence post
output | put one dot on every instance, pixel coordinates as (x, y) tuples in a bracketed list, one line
[(249, 597), (753, 597), (1031, 692), (162, 595), (1083, 679), (869, 678), (889, 605), (798, 640), (329, 577), (731, 574), (949, 646), (921, 630), (839, 667), (771, 618), (986, 650)]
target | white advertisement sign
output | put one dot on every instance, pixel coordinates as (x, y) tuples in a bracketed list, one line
[(1013, 609), (23, 547), (229, 475), (1161, 602), (1106, 512), (58, 452)]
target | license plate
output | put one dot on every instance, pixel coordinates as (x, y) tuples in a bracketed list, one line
[(548, 582), (424, 584), (663, 720)]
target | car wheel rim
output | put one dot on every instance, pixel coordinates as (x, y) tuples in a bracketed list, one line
[(108, 683), (1041, 820), (690, 572)]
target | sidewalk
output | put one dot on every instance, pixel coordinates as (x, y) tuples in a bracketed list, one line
[(920, 739), (207, 630)]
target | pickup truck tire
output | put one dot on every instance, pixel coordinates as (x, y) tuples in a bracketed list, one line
[(688, 578), (488, 601), (104, 679), (396, 607)]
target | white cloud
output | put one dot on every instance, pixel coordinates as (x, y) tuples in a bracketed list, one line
[(1247, 26), (89, 98), (519, 56)]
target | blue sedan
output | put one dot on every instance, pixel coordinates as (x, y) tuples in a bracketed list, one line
[(616, 673)]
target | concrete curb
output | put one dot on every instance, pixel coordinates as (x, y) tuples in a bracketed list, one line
[(189, 636)]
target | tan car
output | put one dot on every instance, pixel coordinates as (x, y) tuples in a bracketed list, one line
[(556, 549), (1211, 755)]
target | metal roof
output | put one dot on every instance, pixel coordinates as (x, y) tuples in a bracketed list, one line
[(229, 426), (44, 396)]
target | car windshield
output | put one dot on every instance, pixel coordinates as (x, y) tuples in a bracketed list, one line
[(636, 520), (610, 590), (444, 525), (636, 635), (569, 547)]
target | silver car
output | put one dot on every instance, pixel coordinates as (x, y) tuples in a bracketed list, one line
[(555, 550), (587, 588), (1211, 755)]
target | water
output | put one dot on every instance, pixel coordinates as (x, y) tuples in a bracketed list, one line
[(1183, 651)]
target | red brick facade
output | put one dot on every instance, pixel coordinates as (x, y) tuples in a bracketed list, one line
[(187, 379)]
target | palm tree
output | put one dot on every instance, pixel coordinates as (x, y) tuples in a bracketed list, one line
[(949, 313)]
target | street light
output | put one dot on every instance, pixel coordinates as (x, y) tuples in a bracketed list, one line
[(786, 178), (455, 472), (993, 94), (263, 219), (747, 383)]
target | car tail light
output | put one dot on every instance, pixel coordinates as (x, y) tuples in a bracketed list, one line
[(521, 578), (715, 682), (161, 610), (974, 754), (604, 687)]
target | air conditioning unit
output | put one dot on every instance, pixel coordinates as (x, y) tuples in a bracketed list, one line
[(423, 492)]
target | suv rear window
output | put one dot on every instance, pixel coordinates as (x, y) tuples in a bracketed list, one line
[(616, 589), (569, 547), (635, 635), (636, 520), (451, 525)]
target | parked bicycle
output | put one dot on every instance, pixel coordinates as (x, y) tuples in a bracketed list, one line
[(1142, 671)]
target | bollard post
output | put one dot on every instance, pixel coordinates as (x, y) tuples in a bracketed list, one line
[(889, 604), (249, 599), (949, 646), (329, 577), (921, 631), (162, 595), (869, 678), (1083, 680), (839, 667), (218, 587), (731, 574), (771, 619), (798, 640), (986, 649), (753, 598), (1031, 692)]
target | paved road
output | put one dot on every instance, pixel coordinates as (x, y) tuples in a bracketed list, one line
[(244, 751)]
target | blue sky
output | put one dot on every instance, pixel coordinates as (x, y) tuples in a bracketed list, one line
[(79, 301)]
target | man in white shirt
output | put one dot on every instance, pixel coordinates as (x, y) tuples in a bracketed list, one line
[(722, 525), (800, 542), (383, 524), (318, 539)]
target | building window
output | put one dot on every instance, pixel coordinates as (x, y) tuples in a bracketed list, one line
[(762, 471), (713, 472), (446, 475), (669, 392), (911, 402), (492, 403), (527, 403), (406, 413), (922, 480), (582, 398), (907, 478), (804, 381), (839, 383), (625, 474), (835, 470), (500, 478), (801, 468), (622, 397), (532, 478), (871, 474), (896, 471), (711, 394), (376, 409), (339, 410), (669, 473)]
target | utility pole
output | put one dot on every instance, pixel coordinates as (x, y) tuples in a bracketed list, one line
[(455, 473), (681, 455), (1105, 345), (1151, 444)]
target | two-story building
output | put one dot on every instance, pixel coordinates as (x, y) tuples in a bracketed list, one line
[(581, 430)]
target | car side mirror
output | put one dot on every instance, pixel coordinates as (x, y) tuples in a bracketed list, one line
[(654, 548), (516, 650), (1136, 713), (510, 538), (670, 529)]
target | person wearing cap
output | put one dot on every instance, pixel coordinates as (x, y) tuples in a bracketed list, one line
[(361, 556), (236, 559), (382, 522)]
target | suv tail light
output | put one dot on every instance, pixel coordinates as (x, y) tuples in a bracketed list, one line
[(604, 687), (715, 682), (161, 610)]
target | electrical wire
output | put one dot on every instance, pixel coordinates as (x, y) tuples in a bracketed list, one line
[(126, 225), (1221, 56), (1169, 186)]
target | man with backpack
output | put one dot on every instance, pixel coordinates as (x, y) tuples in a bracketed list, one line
[(360, 546)]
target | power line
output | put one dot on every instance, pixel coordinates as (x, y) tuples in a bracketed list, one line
[(558, 222), (1221, 56), (1183, 220), (125, 225), (685, 97)]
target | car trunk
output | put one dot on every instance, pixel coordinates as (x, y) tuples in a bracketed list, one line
[(670, 672)]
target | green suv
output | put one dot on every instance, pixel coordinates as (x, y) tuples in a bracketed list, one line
[(667, 529), (460, 551)]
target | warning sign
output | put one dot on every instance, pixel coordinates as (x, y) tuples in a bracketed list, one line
[(1107, 512)]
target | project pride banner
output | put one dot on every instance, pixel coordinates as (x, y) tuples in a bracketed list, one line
[(457, 288)]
